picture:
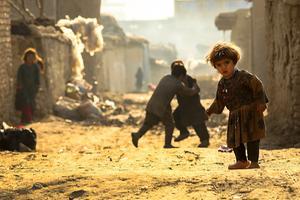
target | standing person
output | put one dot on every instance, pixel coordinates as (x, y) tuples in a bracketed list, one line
[(139, 79), (190, 112), (244, 96), (28, 81), (159, 106)]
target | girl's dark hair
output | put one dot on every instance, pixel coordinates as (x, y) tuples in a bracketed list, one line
[(29, 51), (38, 59), (177, 68), (223, 50)]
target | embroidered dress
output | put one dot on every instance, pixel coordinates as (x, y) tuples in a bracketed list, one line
[(241, 94)]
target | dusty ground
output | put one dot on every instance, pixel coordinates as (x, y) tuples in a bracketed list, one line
[(99, 162)]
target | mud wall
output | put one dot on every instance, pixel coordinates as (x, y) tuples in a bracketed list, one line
[(259, 43), (241, 36), (114, 69), (56, 55), (283, 39), (134, 58), (6, 108), (49, 9), (73, 8)]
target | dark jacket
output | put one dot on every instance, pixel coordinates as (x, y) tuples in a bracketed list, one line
[(28, 81), (189, 110), (165, 91)]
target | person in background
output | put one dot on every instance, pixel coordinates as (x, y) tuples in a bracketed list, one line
[(28, 81), (159, 106), (139, 76), (190, 112)]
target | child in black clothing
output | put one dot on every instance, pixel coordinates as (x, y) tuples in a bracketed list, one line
[(159, 108)]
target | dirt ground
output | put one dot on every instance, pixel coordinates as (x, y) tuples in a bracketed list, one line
[(79, 160)]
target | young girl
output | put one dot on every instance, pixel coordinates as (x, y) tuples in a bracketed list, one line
[(244, 96), (28, 80)]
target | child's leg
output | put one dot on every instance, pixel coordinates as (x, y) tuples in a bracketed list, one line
[(253, 153), (240, 153), (149, 122), (201, 131), (169, 129), (26, 114), (241, 159), (184, 133)]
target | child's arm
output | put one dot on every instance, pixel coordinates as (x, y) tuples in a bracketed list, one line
[(183, 90), (20, 77), (259, 94), (217, 106)]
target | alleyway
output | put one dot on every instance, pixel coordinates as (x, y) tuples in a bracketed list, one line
[(99, 162)]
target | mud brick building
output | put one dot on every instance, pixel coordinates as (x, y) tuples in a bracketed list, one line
[(283, 64), (5, 62)]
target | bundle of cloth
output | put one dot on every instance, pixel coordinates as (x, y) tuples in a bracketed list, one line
[(17, 139)]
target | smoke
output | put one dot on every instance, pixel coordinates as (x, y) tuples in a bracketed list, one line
[(85, 34)]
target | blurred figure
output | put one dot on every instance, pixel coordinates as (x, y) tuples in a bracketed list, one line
[(139, 76), (159, 106), (190, 112), (28, 81)]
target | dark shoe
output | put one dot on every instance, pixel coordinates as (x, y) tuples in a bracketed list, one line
[(203, 144), (169, 146), (253, 165), (181, 137), (135, 139), (239, 165)]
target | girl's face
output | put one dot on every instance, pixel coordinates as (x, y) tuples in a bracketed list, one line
[(30, 58), (225, 67)]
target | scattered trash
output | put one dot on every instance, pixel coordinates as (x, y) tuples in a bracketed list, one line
[(224, 148), (73, 91), (37, 186), (77, 194), (110, 104), (88, 110), (66, 108)]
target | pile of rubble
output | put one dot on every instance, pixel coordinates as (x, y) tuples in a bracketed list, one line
[(81, 104)]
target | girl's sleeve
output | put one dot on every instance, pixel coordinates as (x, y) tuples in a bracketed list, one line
[(259, 93), (20, 77), (37, 76), (217, 106)]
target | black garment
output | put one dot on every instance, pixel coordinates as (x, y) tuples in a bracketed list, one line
[(199, 127), (12, 138), (152, 120), (190, 107), (28, 81), (190, 112), (252, 151)]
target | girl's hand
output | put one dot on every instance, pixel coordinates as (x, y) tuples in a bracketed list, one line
[(261, 107)]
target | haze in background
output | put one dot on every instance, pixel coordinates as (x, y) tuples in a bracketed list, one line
[(189, 24)]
